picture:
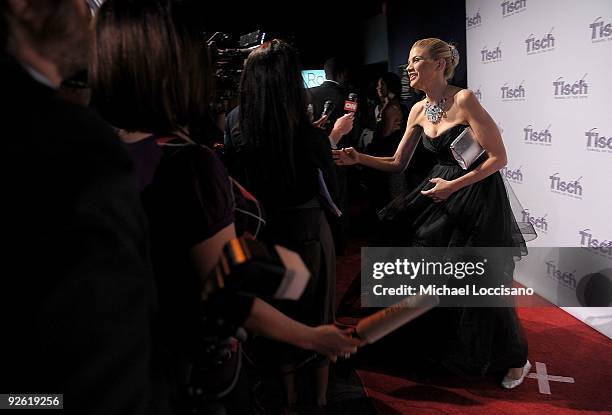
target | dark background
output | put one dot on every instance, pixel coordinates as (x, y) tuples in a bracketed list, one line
[(408, 21), (321, 29)]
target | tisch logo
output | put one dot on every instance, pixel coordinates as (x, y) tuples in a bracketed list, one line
[(516, 93), (571, 188), (478, 93), (538, 222), (600, 30), (588, 240), (565, 278), (567, 90), (510, 8), (473, 21), (538, 137), (489, 56), (513, 175), (539, 45), (597, 142)]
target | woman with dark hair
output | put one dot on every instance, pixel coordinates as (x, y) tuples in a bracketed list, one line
[(391, 117), (283, 155), (390, 114), (150, 78)]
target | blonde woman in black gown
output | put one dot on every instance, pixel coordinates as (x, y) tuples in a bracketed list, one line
[(453, 207)]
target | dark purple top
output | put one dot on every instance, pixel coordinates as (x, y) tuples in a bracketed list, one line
[(184, 185), (188, 199)]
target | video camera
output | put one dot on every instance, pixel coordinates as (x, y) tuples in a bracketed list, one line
[(246, 268), (228, 56)]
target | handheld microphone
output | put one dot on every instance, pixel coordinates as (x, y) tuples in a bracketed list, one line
[(310, 111), (350, 105), (327, 108), (383, 322)]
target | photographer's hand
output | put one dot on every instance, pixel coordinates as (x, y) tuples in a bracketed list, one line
[(328, 340), (332, 342), (342, 126)]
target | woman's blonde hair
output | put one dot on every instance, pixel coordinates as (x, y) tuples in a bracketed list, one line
[(439, 49)]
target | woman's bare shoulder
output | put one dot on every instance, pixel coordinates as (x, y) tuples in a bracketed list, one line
[(418, 106), (417, 112), (463, 96)]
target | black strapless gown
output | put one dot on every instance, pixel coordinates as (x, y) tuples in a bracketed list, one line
[(474, 340), (477, 215)]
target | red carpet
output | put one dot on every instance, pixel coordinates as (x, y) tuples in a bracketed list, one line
[(563, 346)]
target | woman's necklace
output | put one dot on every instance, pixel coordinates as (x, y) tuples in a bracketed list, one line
[(435, 112)]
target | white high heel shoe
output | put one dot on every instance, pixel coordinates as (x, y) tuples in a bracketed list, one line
[(511, 383)]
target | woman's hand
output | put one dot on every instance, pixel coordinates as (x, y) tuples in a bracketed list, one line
[(346, 156), (332, 342), (342, 126), (321, 122), (441, 191)]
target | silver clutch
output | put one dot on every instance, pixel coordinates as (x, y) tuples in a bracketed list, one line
[(466, 149)]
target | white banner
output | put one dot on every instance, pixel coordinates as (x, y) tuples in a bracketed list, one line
[(542, 70)]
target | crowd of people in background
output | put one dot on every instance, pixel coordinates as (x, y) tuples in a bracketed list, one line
[(112, 307)]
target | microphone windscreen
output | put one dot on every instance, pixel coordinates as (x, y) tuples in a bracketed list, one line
[(327, 108)]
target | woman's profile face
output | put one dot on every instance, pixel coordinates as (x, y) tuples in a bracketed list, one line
[(421, 68), (381, 89)]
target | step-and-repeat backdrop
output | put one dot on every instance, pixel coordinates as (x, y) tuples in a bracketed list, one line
[(543, 70)]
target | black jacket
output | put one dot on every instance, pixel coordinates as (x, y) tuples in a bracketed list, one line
[(337, 94), (77, 292)]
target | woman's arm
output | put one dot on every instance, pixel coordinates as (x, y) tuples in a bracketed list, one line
[(402, 155), (206, 254), (488, 135)]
